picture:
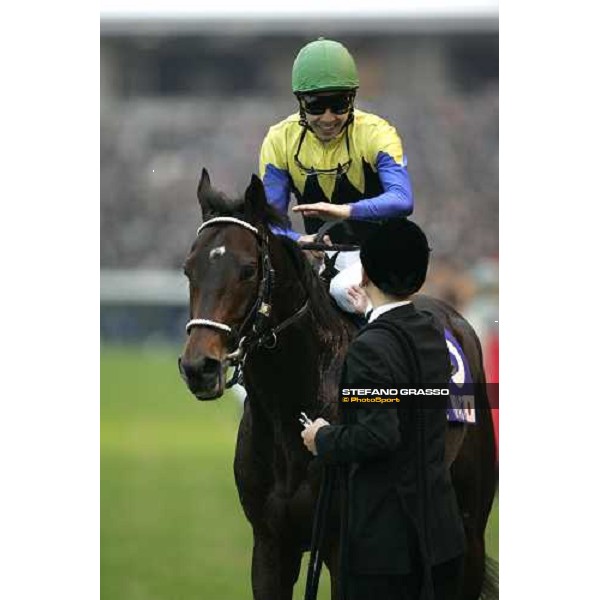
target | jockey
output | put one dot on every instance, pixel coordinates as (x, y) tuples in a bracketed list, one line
[(340, 162)]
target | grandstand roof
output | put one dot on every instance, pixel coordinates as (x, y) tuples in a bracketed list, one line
[(184, 16)]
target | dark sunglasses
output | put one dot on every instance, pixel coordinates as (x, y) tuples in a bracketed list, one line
[(339, 104)]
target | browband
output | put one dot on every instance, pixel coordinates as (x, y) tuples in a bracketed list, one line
[(228, 220)]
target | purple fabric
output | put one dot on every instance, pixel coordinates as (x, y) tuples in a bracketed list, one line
[(460, 406)]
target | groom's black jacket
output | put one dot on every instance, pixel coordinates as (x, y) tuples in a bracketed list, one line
[(378, 448)]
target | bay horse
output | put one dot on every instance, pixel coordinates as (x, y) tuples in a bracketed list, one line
[(256, 301)]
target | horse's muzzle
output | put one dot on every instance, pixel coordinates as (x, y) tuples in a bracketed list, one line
[(203, 376)]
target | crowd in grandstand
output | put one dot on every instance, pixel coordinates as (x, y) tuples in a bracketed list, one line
[(152, 151), (172, 105)]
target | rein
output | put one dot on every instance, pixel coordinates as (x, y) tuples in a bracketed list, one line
[(330, 247), (318, 244), (261, 334)]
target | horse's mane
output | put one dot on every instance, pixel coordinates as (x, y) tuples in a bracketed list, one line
[(218, 204), (328, 317)]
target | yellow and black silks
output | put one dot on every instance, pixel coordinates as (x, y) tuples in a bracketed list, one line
[(375, 182)]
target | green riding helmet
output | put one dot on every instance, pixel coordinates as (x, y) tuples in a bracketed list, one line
[(324, 65)]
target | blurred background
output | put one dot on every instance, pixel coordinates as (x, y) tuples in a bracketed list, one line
[(182, 92)]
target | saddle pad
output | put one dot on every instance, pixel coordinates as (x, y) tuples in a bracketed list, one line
[(461, 406)]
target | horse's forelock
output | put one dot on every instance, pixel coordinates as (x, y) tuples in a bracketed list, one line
[(218, 204)]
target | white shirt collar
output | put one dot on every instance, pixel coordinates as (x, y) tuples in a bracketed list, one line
[(377, 312)]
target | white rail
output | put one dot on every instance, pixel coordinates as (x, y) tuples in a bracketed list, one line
[(145, 286)]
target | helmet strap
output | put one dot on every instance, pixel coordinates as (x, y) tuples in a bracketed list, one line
[(303, 121), (350, 118)]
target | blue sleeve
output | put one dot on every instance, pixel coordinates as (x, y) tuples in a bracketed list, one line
[(397, 197), (277, 190)]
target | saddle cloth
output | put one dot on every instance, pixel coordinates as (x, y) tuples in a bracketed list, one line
[(461, 403)]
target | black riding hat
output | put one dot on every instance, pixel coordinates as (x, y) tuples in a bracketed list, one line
[(396, 256)]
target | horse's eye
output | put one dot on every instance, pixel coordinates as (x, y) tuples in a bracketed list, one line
[(247, 272)]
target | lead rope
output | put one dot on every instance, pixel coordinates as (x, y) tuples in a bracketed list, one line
[(315, 562)]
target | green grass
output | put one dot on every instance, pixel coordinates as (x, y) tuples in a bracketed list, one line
[(492, 532), (171, 524)]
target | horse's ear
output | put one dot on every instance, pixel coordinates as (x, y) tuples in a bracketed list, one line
[(255, 205), (204, 187), (204, 193)]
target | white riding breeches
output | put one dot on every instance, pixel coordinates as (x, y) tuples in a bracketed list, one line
[(350, 273)]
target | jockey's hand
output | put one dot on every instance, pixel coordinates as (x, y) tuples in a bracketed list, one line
[(316, 254), (359, 299), (309, 433), (324, 210)]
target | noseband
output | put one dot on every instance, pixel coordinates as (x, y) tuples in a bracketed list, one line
[(257, 320)]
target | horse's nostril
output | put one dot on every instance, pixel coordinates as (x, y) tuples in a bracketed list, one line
[(200, 368), (211, 366), (191, 368)]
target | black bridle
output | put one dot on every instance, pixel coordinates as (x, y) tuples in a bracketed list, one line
[(256, 329)]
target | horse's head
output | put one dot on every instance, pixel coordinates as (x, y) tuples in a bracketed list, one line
[(226, 273)]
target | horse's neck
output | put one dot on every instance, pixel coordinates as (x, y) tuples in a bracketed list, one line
[(293, 289), (302, 370), (285, 370)]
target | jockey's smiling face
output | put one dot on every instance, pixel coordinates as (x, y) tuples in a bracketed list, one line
[(327, 113)]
